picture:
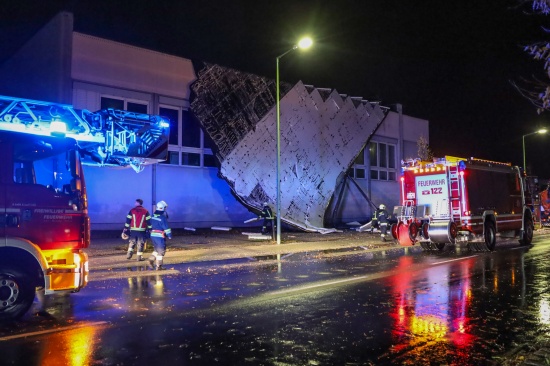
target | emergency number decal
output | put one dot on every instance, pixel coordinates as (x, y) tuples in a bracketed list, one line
[(431, 189)]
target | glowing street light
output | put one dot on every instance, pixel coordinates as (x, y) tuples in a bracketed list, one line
[(541, 131), (304, 43)]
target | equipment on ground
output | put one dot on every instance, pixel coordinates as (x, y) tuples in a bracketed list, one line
[(455, 200)]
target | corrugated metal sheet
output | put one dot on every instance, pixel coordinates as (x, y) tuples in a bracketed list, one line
[(322, 132)]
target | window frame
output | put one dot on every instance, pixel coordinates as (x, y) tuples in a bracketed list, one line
[(387, 171), (125, 101), (179, 148)]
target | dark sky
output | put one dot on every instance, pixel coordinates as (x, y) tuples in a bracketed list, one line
[(450, 62)]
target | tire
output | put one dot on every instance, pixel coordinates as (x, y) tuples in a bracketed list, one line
[(527, 235), (425, 231), (413, 231), (16, 293), (393, 231), (490, 236), (440, 246)]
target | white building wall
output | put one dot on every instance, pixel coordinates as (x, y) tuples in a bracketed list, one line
[(105, 62), (196, 197)]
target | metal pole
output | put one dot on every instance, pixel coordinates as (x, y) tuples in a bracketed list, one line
[(279, 146), (278, 157)]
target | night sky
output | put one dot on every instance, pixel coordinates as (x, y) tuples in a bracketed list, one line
[(450, 62)]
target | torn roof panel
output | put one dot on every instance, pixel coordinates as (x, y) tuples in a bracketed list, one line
[(321, 135)]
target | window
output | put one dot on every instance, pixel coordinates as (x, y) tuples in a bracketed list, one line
[(136, 107), (382, 164), (191, 131), (382, 161), (111, 103), (174, 116), (124, 105), (359, 168), (188, 145)]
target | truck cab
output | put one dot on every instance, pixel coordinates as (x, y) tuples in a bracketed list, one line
[(44, 223)]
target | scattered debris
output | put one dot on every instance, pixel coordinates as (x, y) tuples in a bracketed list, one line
[(220, 228)]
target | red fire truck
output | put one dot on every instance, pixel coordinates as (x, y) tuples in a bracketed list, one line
[(455, 200), (44, 223)]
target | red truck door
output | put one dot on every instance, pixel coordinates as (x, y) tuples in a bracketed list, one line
[(6, 172)]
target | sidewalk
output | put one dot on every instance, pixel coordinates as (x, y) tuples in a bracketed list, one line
[(107, 250)]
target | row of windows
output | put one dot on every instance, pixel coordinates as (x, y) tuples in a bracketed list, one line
[(382, 162), (188, 145)]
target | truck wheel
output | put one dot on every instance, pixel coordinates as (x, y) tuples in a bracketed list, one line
[(393, 231), (527, 236), (440, 246), (425, 231), (489, 234), (413, 231), (16, 293)]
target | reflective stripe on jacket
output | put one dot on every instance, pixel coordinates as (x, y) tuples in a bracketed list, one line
[(138, 219), (160, 227)]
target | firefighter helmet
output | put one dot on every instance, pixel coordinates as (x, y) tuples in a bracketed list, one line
[(161, 205), (382, 207), (124, 236)]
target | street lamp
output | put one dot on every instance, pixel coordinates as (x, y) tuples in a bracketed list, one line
[(304, 43), (541, 131)]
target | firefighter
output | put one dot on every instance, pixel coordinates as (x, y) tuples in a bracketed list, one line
[(267, 215), (380, 220), (160, 231), (136, 228)]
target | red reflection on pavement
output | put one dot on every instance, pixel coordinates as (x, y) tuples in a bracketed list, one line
[(431, 307)]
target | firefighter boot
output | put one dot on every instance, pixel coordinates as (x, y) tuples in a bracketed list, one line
[(129, 255), (158, 265), (152, 261)]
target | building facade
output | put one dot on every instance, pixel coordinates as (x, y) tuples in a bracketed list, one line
[(92, 73)]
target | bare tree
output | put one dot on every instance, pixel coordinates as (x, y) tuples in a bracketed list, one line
[(537, 91), (424, 151)]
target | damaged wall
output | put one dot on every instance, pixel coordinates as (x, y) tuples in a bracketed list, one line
[(321, 135)]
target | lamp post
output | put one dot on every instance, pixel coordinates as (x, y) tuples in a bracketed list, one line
[(541, 131), (304, 43)]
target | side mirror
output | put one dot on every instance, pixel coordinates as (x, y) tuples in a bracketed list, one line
[(76, 185), (75, 164)]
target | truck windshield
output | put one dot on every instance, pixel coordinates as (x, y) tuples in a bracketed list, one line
[(50, 170)]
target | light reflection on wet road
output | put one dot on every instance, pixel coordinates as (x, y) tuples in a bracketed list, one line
[(454, 307)]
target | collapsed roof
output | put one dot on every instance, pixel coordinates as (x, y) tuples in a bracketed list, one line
[(322, 133)]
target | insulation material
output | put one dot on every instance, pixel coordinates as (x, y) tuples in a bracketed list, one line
[(322, 133)]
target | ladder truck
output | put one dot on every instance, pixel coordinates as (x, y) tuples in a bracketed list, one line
[(455, 200), (44, 222)]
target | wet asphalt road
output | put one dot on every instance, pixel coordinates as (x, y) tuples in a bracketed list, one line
[(318, 308)]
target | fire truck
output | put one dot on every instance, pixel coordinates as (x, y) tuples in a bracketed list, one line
[(44, 223), (455, 200)]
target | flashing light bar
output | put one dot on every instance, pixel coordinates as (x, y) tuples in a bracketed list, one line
[(164, 124), (490, 162), (439, 164), (58, 127)]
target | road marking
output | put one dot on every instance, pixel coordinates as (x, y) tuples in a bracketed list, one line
[(56, 330), (373, 276), (454, 260)]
